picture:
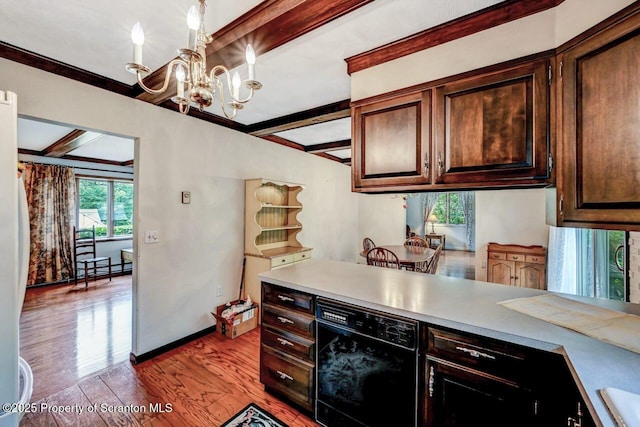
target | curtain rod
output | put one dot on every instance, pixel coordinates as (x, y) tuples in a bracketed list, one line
[(25, 162)]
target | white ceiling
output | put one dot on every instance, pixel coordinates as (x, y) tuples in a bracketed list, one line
[(303, 74)]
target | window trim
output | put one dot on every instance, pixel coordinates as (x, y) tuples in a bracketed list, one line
[(110, 204)]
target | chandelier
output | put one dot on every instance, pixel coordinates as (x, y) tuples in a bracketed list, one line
[(194, 85)]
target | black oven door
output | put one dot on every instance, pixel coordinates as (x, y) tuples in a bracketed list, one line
[(363, 381)]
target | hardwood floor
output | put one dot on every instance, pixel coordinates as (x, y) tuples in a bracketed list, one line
[(78, 341), (457, 264)]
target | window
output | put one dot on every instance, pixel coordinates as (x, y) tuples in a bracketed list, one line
[(106, 204), (588, 262), (449, 209)]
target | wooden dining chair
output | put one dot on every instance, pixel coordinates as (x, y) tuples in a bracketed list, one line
[(367, 244), (416, 242), (383, 257), (432, 266)]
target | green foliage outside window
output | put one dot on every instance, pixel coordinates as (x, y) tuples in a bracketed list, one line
[(107, 204), (448, 209)]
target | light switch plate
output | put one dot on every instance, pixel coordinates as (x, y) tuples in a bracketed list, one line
[(151, 236), (186, 197)]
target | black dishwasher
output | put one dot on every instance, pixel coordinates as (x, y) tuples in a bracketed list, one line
[(366, 367)]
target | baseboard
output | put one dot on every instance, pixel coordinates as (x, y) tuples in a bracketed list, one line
[(135, 359)]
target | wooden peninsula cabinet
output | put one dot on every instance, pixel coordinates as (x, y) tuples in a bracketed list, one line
[(271, 228), (287, 344), (472, 380), (598, 180), (516, 265)]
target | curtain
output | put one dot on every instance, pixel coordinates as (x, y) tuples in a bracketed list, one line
[(428, 203), (563, 260), (51, 194), (466, 200)]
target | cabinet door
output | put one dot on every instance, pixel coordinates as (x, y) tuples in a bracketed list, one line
[(599, 175), (493, 129), (500, 271), (461, 397), (530, 275), (391, 142)]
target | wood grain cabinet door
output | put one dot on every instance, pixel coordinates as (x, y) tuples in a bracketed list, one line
[(391, 142), (599, 175), (501, 271), (530, 275), (492, 129)]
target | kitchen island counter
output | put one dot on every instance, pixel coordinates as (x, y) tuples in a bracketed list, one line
[(472, 306)]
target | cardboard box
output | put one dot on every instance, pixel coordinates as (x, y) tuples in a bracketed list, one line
[(242, 322)]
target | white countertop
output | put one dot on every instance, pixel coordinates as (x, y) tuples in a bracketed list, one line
[(471, 306)]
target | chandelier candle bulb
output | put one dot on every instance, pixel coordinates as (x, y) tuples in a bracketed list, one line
[(180, 77), (251, 60), (137, 37), (193, 22)]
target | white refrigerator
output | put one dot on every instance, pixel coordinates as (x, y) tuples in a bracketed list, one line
[(16, 380)]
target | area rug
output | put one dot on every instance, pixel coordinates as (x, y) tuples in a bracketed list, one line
[(253, 416)]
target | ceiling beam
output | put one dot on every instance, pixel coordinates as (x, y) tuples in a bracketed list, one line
[(328, 146), (74, 139), (492, 16), (330, 157), (325, 113), (267, 26), (26, 57)]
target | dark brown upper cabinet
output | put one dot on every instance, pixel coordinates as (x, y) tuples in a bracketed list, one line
[(598, 179), (493, 129), (391, 142)]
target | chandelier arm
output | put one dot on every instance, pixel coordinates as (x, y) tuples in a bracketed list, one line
[(167, 77), (220, 89), (221, 69)]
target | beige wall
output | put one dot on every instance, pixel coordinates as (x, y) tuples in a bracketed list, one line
[(201, 244), (508, 217)]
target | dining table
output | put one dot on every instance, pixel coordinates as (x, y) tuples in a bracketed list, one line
[(407, 255)]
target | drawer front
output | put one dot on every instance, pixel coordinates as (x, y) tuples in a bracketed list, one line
[(534, 259), (287, 375), (288, 343), (287, 298), (281, 261), (515, 257), (497, 255), (301, 256), (281, 318), (486, 355)]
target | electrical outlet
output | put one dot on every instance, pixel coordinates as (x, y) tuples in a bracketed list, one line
[(151, 236), (219, 291)]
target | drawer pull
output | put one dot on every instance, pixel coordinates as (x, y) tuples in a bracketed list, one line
[(476, 353), (496, 256), (285, 320), (515, 257), (534, 259), (285, 298), (432, 380), (284, 376), (284, 342)]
